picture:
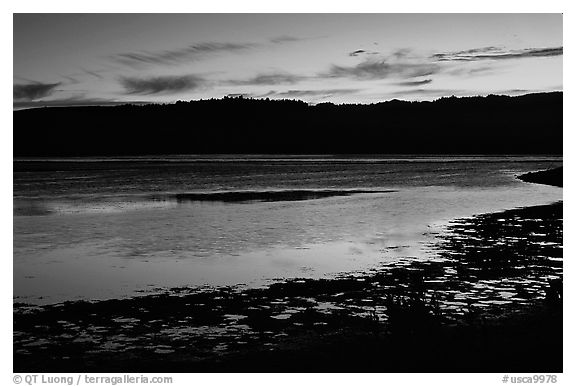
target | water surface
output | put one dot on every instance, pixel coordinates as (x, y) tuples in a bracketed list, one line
[(104, 228)]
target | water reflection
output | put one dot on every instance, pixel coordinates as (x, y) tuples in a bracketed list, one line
[(485, 266)]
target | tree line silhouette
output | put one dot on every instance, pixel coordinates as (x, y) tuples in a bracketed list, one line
[(495, 124)]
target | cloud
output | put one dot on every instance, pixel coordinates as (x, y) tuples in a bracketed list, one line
[(72, 101), (356, 53), (415, 82), (495, 53), (70, 79), (402, 53), (466, 71), (189, 53), (382, 69), (285, 39), (95, 74), (474, 51), (239, 95), (194, 52), (362, 52), (269, 79), (429, 92), (404, 63), (73, 78), (309, 93), (514, 91), (437, 93), (161, 84), (33, 91)]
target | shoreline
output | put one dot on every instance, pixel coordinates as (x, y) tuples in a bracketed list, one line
[(551, 177), (312, 325)]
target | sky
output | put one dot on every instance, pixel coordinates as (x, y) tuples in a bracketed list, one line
[(102, 59)]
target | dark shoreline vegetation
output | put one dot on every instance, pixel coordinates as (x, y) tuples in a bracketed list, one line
[(551, 177), (491, 302), (527, 124)]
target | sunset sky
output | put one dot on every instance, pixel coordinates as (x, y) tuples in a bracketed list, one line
[(85, 59)]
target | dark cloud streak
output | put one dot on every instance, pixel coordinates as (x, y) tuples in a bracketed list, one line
[(269, 79), (382, 69), (495, 53), (362, 52), (309, 93), (95, 74), (192, 52), (433, 92), (356, 53), (464, 71), (404, 64), (33, 91), (161, 84), (285, 39), (76, 101), (415, 83), (70, 79), (189, 53)]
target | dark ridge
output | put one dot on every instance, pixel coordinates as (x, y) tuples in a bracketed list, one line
[(547, 177), (281, 195), (528, 124)]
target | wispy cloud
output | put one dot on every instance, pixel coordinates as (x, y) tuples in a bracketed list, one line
[(189, 53), (466, 71), (162, 84), (269, 79), (95, 74), (310, 93), (415, 83), (405, 63), (286, 39), (437, 92), (33, 91), (402, 53), (70, 79), (356, 53), (77, 77), (194, 52), (513, 91), (496, 53), (429, 92), (362, 52), (72, 101), (383, 68)]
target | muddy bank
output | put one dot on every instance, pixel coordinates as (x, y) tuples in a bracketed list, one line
[(548, 177), (266, 196), (490, 302)]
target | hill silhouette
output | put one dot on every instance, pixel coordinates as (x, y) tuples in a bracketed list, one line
[(528, 124)]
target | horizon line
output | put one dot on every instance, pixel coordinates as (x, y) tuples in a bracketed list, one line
[(243, 97)]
